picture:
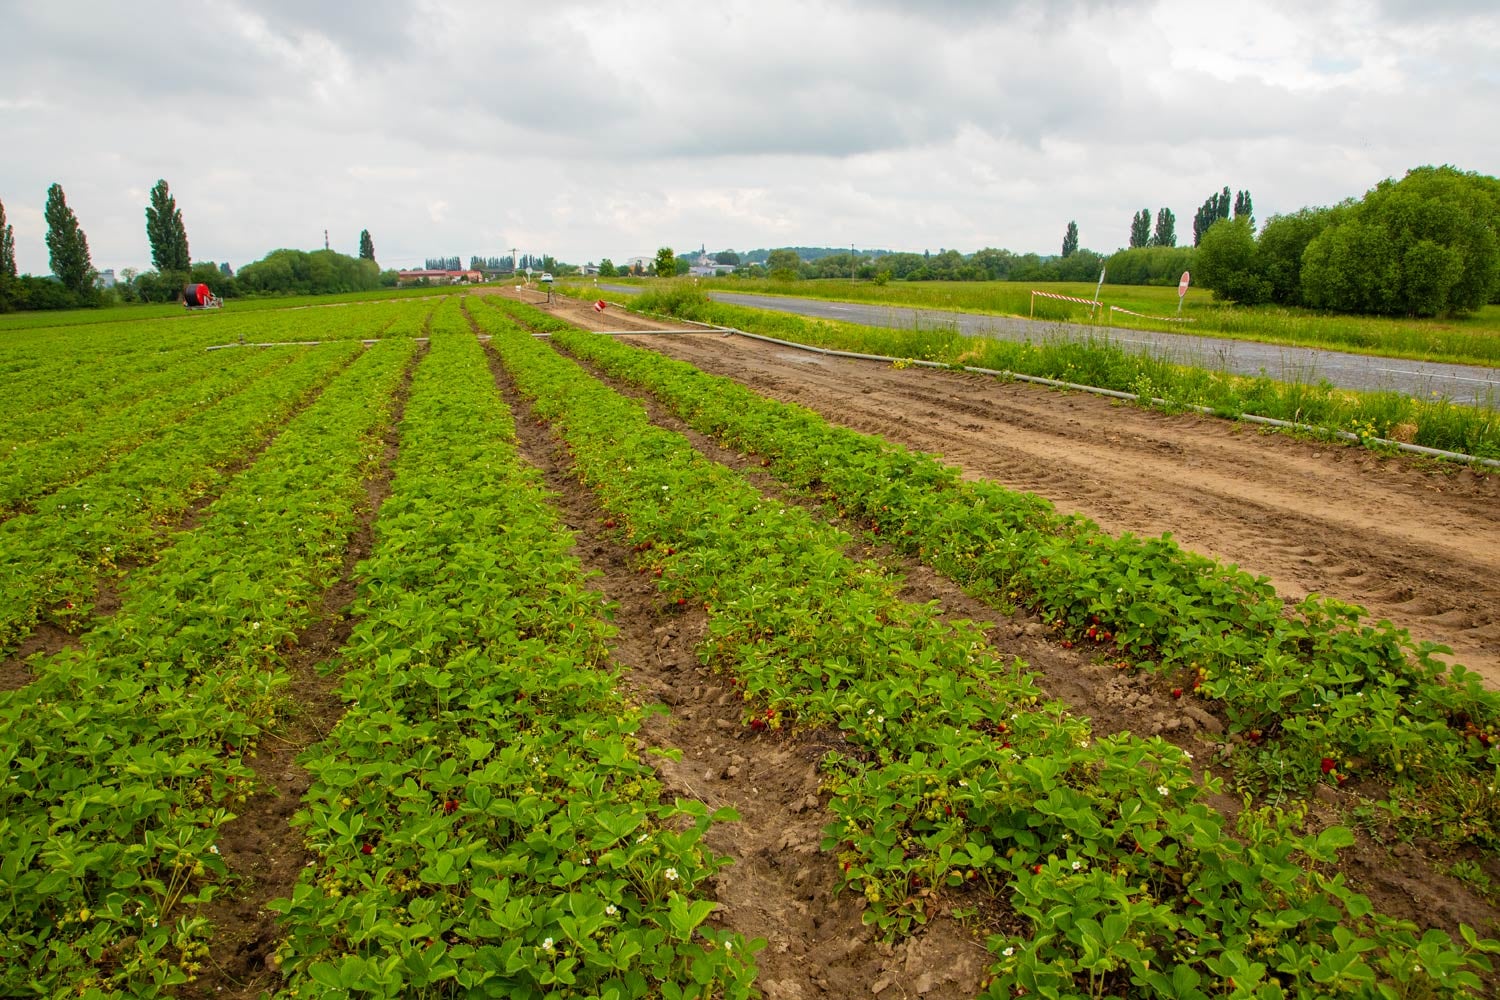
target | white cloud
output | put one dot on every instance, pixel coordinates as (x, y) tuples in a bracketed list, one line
[(588, 129)]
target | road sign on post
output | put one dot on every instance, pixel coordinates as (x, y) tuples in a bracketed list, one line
[(1182, 291)]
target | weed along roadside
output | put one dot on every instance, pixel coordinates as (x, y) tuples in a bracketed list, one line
[(1097, 858), (1368, 416)]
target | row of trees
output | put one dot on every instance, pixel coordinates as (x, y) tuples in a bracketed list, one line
[(68, 252), (1216, 209), (76, 280), (1141, 234), (536, 262), (1426, 245)]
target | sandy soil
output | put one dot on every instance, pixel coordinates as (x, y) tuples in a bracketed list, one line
[(1412, 541)]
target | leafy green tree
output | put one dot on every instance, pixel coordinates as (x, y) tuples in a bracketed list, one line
[(1227, 263), (165, 231), (67, 246), (366, 245), (1140, 229), (1282, 243), (1070, 240), (1243, 208), (665, 263), (7, 247), (1166, 229), (1426, 245), (727, 257), (1210, 212), (1161, 266), (783, 264), (606, 268), (212, 275), (295, 272)]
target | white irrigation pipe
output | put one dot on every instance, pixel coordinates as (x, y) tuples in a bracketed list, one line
[(314, 343), (1414, 449)]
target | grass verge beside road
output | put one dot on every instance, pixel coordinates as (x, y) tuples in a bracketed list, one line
[(1389, 415)]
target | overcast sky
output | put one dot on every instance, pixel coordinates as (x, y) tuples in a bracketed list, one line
[(590, 130)]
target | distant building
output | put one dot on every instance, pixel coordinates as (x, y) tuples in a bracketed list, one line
[(437, 277), (706, 267), (106, 278), (642, 264)]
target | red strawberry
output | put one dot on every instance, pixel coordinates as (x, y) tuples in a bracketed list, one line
[(1329, 764), (367, 849), (1177, 692)]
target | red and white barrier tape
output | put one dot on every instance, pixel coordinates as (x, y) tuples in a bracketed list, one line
[(1065, 298), (1164, 319)]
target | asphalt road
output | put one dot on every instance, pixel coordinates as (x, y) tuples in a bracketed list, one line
[(1469, 384)]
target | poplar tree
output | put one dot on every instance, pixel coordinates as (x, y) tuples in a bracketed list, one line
[(1166, 229), (67, 247), (165, 232), (1243, 208), (366, 245), (1140, 228), (1070, 240), (7, 247)]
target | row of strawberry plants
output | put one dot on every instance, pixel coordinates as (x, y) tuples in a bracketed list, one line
[(481, 822), (62, 384), (960, 780), (52, 557), (69, 451), (50, 370), (132, 378), (124, 757), (1318, 691)]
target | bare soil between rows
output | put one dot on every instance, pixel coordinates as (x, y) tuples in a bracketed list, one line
[(1412, 541)]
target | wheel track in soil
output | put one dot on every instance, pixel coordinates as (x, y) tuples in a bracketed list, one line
[(1411, 542), (780, 886)]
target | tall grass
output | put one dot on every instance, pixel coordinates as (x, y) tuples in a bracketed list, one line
[(1469, 340), (1432, 423)]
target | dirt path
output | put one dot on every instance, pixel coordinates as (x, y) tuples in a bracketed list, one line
[(1411, 541)]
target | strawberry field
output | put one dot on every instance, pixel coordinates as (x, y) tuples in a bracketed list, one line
[(335, 668)]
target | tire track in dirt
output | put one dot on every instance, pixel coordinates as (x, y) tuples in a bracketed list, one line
[(781, 885), (1411, 542)]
